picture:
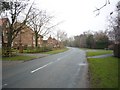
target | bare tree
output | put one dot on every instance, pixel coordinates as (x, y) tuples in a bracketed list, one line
[(41, 19), (41, 24), (98, 9), (61, 35), (13, 10)]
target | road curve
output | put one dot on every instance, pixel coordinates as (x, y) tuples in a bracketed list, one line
[(63, 70)]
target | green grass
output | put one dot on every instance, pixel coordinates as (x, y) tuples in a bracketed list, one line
[(99, 52), (24, 58), (103, 72), (56, 51), (18, 58)]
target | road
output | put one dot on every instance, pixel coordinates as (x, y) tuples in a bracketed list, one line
[(63, 70)]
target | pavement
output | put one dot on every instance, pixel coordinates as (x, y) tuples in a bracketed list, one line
[(38, 55), (101, 56), (64, 70)]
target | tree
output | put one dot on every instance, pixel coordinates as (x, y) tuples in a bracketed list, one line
[(77, 41), (115, 34), (90, 41), (41, 19), (41, 23), (13, 11), (116, 30), (98, 9), (61, 35), (101, 40), (70, 42)]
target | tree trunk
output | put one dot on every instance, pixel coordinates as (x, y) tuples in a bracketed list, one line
[(117, 50), (36, 39), (8, 49), (9, 44)]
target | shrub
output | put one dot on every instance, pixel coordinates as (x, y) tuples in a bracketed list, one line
[(38, 49)]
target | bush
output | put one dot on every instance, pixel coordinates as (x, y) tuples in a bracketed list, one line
[(47, 48), (38, 49), (101, 45), (8, 52)]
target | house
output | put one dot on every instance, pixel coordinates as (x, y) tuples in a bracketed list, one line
[(53, 42), (50, 41), (4, 27), (56, 43), (24, 38), (40, 40)]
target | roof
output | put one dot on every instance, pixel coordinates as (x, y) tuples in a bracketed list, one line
[(3, 21), (50, 37), (54, 39), (40, 36)]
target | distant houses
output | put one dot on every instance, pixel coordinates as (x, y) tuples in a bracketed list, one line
[(53, 42), (25, 37)]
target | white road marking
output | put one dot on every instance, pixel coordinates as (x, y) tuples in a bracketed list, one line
[(5, 84), (82, 64), (58, 59), (41, 67), (48, 64)]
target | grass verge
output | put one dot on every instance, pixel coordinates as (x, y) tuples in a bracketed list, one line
[(103, 72), (25, 58), (56, 51), (99, 52), (18, 57)]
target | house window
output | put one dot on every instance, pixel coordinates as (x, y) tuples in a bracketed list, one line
[(29, 45), (15, 42), (7, 25), (12, 44), (33, 38), (3, 33), (33, 42)]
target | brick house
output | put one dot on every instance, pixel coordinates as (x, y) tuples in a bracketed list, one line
[(40, 41), (25, 37), (53, 42), (4, 27), (50, 41), (56, 43)]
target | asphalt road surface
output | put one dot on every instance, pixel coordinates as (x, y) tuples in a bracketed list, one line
[(63, 70)]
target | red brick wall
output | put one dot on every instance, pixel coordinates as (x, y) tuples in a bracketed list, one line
[(25, 37)]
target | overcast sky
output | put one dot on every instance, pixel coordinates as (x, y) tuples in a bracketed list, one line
[(78, 15)]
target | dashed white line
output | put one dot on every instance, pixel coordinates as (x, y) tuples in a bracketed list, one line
[(5, 84), (58, 59), (47, 64), (82, 64), (41, 67)]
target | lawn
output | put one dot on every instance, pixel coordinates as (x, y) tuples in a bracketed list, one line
[(56, 51), (98, 52), (103, 72), (24, 58), (19, 57)]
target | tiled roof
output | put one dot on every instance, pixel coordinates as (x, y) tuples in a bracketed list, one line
[(3, 21)]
